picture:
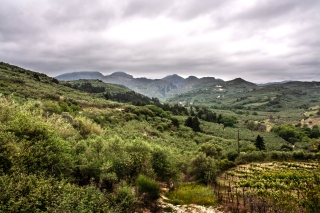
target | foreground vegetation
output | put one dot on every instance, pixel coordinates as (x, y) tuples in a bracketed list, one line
[(63, 149)]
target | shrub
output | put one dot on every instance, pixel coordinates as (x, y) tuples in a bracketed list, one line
[(31, 193), (255, 156), (204, 169), (86, 126), (123, 200), (51, 107), (163, 166), (298, 155), (148, 186), (232, 155), (225, 164)]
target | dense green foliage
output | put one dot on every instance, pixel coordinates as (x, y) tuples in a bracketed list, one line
[(66, 150), (294, 134)]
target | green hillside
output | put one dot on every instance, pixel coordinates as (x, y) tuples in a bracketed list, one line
[(25, 84), (63, 149), (114, 92), (289, 100)]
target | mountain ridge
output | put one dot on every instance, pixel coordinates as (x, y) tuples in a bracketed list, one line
[(171, 87), (163, 88)]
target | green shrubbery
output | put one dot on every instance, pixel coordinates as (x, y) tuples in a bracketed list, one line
[(148, 187), (66, 151), (33, 193)]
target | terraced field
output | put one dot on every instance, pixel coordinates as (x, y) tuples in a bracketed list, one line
[(271, 187)]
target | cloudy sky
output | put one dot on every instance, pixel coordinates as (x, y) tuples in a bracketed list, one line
[(258, 40)]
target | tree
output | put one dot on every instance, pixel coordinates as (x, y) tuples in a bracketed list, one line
[(228, 121), (259, 143), (211, 150), (287, 132), (194, 123), (188, 122), (315, 132)]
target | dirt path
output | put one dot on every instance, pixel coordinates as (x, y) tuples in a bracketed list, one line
[(192, 208)]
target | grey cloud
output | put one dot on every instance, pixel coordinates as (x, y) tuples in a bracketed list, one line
[(186, 10), (146, 8), (267, 14), (309, 63), (62, 36), (182, 10), (82, 15), (268, 10), (15, 24), (265, 10)]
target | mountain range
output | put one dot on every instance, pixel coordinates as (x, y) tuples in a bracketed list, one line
[(164, 88), (235, 94)]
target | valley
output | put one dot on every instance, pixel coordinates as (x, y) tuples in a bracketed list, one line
[(84, 142)]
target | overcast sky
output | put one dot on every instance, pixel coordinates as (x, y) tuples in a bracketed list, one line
[(258, 40)]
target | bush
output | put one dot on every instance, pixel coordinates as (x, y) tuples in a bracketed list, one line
[(51, 107), (123, 200), (148, 186), (163, 166), (255, 156), (204, 169), (232, 155), (281, 156), (86, 126), (31, 193), (225, 164), (298, 155)]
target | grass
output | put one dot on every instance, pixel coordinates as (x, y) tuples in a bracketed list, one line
[(192, 194)]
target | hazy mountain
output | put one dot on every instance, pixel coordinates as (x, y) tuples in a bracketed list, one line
[(175, 79), (239, 85), (149, 87), (79, 75), (191, 79), (160, 88)]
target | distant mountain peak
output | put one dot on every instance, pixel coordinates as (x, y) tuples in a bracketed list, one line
[(238, 80), (192, 77), (120, 74), (174, 79), (174, 76)]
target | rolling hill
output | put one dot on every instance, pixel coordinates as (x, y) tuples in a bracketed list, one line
[(27, 84), (66, 146)]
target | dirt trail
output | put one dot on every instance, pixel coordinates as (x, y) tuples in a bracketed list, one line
[(192, 208)]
